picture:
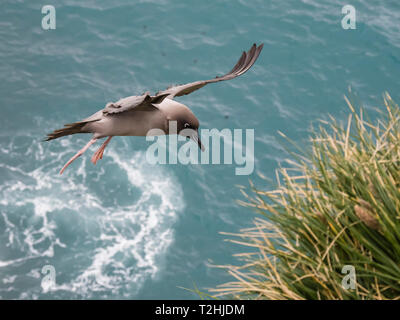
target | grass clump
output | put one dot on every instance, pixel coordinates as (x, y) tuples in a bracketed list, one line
[(337, 205)]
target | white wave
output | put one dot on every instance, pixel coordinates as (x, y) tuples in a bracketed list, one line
[(131, 236)]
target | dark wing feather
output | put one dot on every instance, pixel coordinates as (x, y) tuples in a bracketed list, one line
[(245, 62), (144, 102)]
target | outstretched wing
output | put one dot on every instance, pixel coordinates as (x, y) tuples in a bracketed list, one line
[(143, 102), (244, 63)]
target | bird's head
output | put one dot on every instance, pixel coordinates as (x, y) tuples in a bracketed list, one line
[(187, 124)]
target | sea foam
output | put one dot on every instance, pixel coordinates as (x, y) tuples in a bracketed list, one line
[(105, 236)]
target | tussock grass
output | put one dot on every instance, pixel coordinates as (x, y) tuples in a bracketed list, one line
[(337, 205)]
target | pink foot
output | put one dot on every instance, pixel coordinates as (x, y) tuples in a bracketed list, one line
[(99, 153), (79, 153)]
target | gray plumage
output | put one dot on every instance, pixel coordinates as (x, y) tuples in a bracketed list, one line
[(136, 115)]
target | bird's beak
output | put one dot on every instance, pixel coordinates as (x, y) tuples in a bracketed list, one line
[(195, 138)]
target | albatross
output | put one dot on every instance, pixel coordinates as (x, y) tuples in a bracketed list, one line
[(137, 115)]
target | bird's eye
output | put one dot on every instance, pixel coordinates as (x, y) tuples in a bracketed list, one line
[(186, 125)]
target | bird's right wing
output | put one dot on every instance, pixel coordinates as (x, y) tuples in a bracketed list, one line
[(245, 62), (143, 102)]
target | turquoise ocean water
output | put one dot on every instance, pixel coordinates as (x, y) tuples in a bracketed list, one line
[(128, 229)]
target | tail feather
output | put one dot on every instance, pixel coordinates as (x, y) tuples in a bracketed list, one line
[(70, 128)]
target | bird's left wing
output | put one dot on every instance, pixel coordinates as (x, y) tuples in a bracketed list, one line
[(144, 102), (245, 62)]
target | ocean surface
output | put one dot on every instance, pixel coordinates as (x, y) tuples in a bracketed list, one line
[(127, 229)]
